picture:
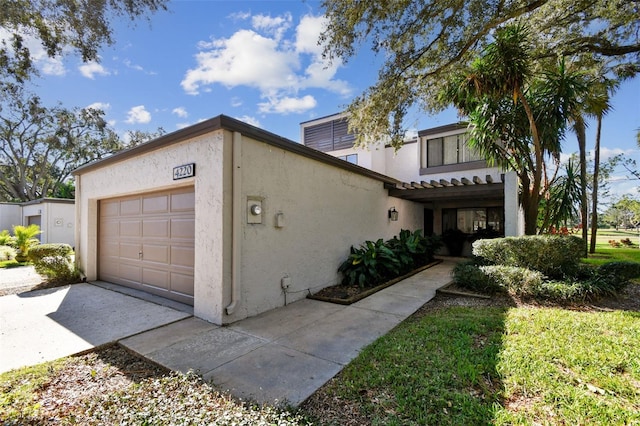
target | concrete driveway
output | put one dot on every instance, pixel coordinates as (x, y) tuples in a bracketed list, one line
[(44, 325)]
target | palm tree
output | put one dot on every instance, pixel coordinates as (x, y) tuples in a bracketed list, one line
[(25, 238), (517, 120)]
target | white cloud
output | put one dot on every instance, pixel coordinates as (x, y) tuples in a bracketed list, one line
[(288, 105), (138, 115), (136, 67), (236, 102), (180, 112), (91, 69), (245, 59), (249, 120), (274, 26), (104, 106), (264, 58), (606, 153)]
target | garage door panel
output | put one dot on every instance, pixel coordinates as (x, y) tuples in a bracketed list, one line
[(130, 228), (156, 253), (147, 242), (156, 228), (129, 251), (182, 284), (130, 207), (182, 256), (156, 278), (109, 228), (155, 204), (110, 208), (130, 273), (183, 228), (183, 202)]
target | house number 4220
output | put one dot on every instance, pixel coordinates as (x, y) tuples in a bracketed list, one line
[(184, 171)]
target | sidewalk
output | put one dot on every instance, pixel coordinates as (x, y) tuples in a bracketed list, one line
[(285, 355)]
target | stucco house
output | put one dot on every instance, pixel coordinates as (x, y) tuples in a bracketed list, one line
[(55, 216), (437, 169), (230, 218)]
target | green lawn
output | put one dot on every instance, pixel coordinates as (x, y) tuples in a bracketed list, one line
[(500, 366), (11, 263)]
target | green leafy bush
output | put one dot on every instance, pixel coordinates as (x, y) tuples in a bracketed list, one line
[(25, 239), (367, 265), (374, 262), (6, 239), (469, 275), (412, 249), (55, 262), (553, 255), (514, 279), (7, 253)]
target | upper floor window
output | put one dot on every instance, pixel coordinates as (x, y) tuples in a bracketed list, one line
[(453, 149), (351, 158), (329, 136)]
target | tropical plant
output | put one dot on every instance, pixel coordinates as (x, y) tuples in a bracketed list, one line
[(6, 239), (25, 239), (54, 261), (7, 252), (413, 249), (369, 264)]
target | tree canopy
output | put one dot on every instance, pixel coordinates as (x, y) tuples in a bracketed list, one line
[(83, 26), (424, 41), (40, 146)]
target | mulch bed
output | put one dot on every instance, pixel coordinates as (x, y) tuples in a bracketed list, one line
[(348, 294)]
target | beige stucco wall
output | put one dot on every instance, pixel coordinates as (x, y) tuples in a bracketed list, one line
[(10, 214), (152, 171), (325, 210)]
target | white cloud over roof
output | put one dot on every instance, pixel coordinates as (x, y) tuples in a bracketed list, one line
[(138, 115), (180, 112), (92, 68), (264, 58)]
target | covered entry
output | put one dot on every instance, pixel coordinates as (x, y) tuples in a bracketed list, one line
[(146, 242)]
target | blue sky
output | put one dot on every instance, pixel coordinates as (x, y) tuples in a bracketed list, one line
[(257, 61)]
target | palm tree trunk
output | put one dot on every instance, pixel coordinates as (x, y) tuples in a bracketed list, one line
[(580, 129), (531, 210), (594, 195)]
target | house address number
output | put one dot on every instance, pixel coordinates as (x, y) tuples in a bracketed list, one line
[(184, 171)]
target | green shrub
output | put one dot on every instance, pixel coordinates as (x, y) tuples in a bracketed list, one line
[(6, 239), (369, 264), (412, 249), (552, 255), (514, 279), (55, 262), (469, 275), (7, 253), (571, 291), (25, 239), (48, 250), (618, 274)]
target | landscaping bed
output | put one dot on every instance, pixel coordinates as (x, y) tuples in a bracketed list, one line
[(345, 294)]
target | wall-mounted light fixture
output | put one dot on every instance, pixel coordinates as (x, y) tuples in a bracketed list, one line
[(393, 214)]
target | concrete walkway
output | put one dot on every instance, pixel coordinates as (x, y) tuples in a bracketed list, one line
[(285, 355), (281, 356)]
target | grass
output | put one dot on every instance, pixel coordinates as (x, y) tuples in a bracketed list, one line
[(500, 366), (12, 263)]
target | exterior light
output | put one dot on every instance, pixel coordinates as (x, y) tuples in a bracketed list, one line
[(393, 214), (256, 210)]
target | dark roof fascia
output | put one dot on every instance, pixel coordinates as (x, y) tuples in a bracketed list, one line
[(443, 129), (223, 122), (336, 115)]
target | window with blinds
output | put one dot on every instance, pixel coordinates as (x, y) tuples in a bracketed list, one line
[(329, 136), (447, 150)]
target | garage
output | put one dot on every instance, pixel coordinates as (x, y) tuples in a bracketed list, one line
[(146, 242)]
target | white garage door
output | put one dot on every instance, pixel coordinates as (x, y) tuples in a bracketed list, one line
[(147, 242)]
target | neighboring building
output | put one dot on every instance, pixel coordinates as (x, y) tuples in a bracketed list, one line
[(55, 216), (230, 218), (437, 169)]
